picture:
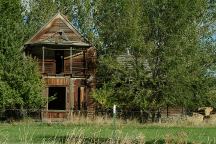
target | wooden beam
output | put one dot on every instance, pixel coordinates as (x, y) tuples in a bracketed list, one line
[(71, 62), (43, 66), (84, 62), (71, 93)]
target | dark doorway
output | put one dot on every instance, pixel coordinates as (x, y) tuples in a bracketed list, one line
[(59, 58), (57, 98), (78, 99)]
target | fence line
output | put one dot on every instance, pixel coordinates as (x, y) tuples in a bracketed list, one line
[(37, 114)]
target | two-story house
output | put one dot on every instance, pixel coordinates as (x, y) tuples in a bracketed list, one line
[(67, 65)]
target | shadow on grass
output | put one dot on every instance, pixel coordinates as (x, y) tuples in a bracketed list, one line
[(89, 140)]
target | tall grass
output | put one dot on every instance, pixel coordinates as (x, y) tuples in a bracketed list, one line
[(100, 130)]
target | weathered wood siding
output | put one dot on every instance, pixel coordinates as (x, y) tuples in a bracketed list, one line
[(78, 66), (54, 26), (49, 66), (55, 114), (57, 81)]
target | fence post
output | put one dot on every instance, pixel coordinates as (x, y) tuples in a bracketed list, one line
[(114, 121)]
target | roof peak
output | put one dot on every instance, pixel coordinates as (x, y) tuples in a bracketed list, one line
[(58, 23)]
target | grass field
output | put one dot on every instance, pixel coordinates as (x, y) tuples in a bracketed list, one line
[(103, 133)]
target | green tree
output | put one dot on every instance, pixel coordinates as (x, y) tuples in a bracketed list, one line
[(179, 59), (170, 53), (120, 31), (20, 82)]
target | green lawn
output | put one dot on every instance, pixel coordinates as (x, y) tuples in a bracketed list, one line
[(60, 133)]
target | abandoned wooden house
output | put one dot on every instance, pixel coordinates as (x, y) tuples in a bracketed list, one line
[(67, 65)]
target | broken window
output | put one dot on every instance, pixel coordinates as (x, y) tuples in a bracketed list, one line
[(57, 98)]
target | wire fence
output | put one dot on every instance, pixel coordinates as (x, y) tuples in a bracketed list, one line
[(18, 114), (40, 114)]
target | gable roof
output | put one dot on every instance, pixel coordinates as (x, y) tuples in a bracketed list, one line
[(58, 31)]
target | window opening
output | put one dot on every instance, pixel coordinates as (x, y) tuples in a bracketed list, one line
[(59, 58), (57, 98)]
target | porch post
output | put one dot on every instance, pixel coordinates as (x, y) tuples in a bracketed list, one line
[(71, 89), (71, 62), (84, 62), (43, 66)]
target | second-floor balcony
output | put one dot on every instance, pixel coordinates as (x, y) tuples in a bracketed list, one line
[(52, 67)]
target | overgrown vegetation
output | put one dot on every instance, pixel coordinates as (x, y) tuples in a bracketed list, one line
[(20, 80), (171, 51), (151, 53), (81, 133)]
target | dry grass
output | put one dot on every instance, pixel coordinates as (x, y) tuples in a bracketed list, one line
[(119, 139), (99, 120), (126, 132)]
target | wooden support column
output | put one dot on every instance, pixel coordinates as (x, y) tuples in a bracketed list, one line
[(43, 66), (84, 62), (71, 62), (71, 89)]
